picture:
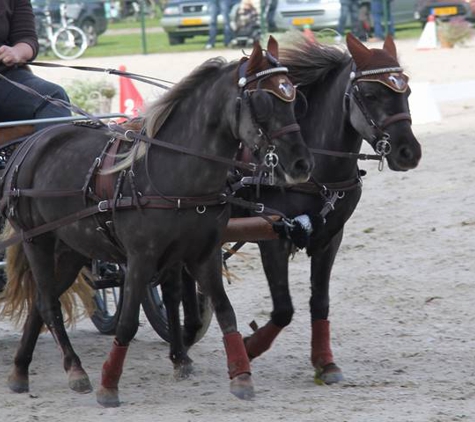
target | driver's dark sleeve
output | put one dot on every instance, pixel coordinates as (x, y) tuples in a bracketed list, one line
[(22, 25)]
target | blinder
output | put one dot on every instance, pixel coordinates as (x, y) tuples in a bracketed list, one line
[(261, 105), (393, 78), (261, 98)]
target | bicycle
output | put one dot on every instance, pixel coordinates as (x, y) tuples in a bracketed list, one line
[(67, 41)]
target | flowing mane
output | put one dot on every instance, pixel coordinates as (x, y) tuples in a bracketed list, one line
[(158, 112), (309, 62)]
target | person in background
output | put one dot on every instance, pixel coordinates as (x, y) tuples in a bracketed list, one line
[(245, 24), (380, 20), (18, 45), (216, 7), (348, 8), (270, 17)]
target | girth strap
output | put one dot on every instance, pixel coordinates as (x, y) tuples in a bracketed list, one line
[(108, 205)]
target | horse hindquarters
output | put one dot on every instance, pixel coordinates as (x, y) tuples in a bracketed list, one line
[(52, 277)]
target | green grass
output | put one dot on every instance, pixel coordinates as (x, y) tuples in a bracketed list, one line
[(408, 30), (130, 44), (118, 44)]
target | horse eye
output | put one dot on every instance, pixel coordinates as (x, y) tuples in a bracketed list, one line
[(369, 96)]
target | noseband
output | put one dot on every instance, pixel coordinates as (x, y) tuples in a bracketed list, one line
[(381, 140)]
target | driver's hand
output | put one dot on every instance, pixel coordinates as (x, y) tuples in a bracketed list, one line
[(10, 56)]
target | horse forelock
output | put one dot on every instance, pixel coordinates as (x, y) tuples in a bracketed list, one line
[(311, 62), (159, 111)]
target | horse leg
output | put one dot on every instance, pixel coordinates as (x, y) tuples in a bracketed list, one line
[(192, 317), (182, 364), (18, 381), (275, 261), (68, 266), (139, 272), (40, 254), (326, 371), (209, 276)]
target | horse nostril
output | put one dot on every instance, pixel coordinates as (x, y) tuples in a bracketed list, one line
[(406, 153), (303, 166)]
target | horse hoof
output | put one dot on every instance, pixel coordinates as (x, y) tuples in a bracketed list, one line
[(329, 374), (79, 381), (108, 397), (80, 385), (242, 387), (183, 371), (18, 384)]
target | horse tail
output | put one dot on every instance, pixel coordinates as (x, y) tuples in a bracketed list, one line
[(19, 295)]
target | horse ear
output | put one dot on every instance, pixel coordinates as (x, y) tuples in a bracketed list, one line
[(255, 60), (390, 47), (360, 53), (273, 47)]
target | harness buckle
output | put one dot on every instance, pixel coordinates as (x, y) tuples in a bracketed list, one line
[(103, 206), (253, 167), (130, 135), (259, 208)]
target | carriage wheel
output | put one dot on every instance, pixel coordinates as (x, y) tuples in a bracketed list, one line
[(106, 315), (108, 300), (155, 311)]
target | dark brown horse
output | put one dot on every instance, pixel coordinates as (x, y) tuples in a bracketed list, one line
[(163, 203), (350, 98)]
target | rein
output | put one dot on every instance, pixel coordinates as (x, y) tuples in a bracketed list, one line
[(343, 154), (130, 134), (108, 71)]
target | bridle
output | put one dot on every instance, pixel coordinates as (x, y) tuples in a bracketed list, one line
[(381, 141), (246, 93)]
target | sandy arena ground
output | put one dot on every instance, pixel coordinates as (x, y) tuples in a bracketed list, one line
[(403, 294)]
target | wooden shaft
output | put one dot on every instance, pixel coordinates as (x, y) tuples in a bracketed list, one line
[(10, 133), (250, 229)]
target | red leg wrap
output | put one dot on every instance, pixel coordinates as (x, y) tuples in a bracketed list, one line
[(262, 339), (238, 362), (321, 351), (112, 368)]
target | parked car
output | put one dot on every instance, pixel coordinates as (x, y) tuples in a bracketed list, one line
[(445, 9), (187, 18), (88, 15), (320, 14)]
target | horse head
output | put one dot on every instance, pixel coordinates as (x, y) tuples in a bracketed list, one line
[(266, 120), (377, 103)]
